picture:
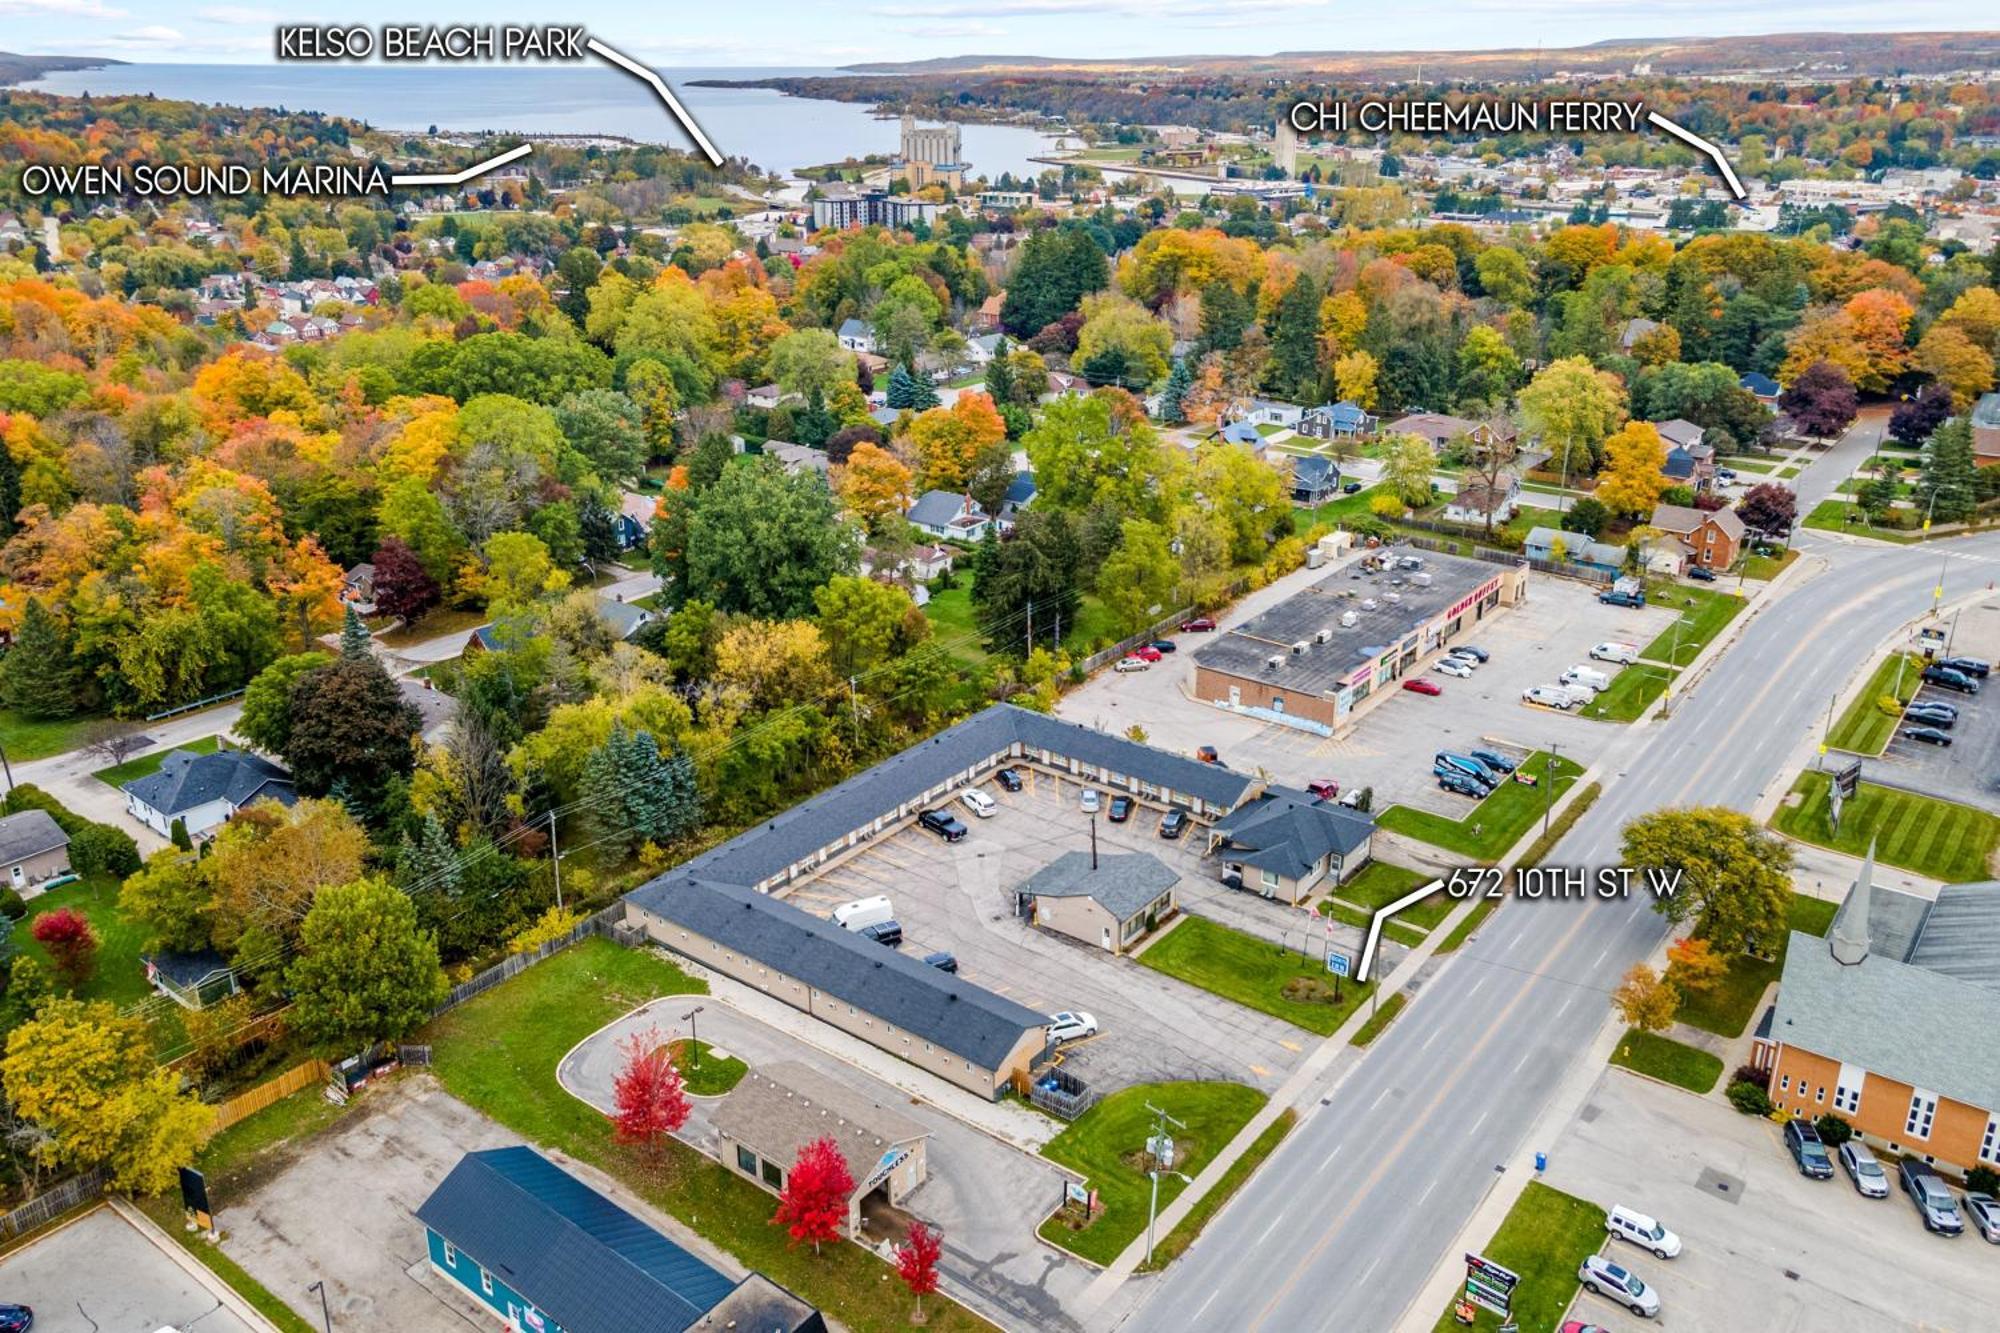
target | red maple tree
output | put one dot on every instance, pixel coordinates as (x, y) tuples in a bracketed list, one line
[(813, 1204), (916, 1263), (649, 1092), (71, 943)]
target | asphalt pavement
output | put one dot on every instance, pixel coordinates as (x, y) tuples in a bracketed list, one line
[(1340, 1229)]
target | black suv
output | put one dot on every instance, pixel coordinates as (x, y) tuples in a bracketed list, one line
[(943, 823), (1173, 823), (1951, 679), (1968, 666), (1803, 1143), (885, 932), (1009, 779)]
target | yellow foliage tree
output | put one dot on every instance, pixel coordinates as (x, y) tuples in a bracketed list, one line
[(875, 485), (1631, 481), (1354, 379), (1646, 1001)]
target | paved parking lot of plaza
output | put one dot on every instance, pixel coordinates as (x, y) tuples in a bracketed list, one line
[(101, 1274), (1967, 770), (1389, 747), (1766, 1248), (959, 897)]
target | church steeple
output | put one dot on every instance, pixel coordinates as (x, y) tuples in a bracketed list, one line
[(1850, 936)]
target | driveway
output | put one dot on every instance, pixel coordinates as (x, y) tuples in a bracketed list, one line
[(1766, 1248), (102, 1274), (986, 1196)]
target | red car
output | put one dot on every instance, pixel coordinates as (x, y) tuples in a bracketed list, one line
[(1199, 624), (1421, 686), (1326, 789), (1578, 1326), (1146, 652)]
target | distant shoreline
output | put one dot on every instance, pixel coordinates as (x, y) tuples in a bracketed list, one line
[(26, 69)]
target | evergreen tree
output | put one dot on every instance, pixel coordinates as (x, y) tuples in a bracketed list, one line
[(1947, 490), (354, 636), (1294, 368), (597, 524), (1173, 408), (428, 860), (1225, 315), (10, 491), (924, 394), (178, 835), (902, 389), (999, 378), (815, 423), (41, 677), (636, 794)]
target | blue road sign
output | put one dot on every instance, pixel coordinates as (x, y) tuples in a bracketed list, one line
[(1338, 964)]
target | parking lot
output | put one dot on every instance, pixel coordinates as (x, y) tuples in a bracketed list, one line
[(959, 897), (1967, 770), (1765, 1248), (1389, 746), (101, 1274)]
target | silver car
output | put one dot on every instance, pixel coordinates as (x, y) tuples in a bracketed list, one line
[(1984, 1210), (1867, 1174), (1603, 1278)]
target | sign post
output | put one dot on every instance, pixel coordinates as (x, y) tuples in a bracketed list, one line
[(1341, 966), (1846, 782), (1489, 1285)]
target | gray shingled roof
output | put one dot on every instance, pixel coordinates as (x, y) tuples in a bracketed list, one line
[(1960, 935), (935, 1006), (936, 509), (779, 1109), (588, 1264), (186, 780), (1123, 884), (27, 833), (1288, 832)]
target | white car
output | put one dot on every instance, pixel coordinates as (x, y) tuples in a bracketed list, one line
[(980, 803), (1452, 666), (1067, 1026), (1132, 664), (1091, 798)]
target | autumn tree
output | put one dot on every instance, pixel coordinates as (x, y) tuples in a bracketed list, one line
[(875, 486), (1725, 874), (364, 973), (1407, 464), (1821, 400), (349, 720), (1354, 379), (72, 945), (648, 1093), (917, 1263), (756, 542), (813, 1204), (1631, 481), (171, 898), (949, 440), (1694, 966), (1952, 359), (1573, 406), (1137, 580), (1645, 1001), (1915, 419), (1768, 507)]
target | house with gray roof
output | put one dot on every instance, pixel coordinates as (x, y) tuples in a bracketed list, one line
[(1111, 900), (777, 1109), (948, 515), (1892, 1022), (33, 848), (1285, 844), (205, 790)]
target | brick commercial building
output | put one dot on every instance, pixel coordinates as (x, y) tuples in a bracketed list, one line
[(1312, 660), (1893, 1022)]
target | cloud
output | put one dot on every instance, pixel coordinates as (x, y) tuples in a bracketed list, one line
[(1224, 11), (967, 29), (95, 9), (235, 14)]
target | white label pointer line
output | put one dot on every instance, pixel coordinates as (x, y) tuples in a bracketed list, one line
[(1704, 147), (633, 67), (461, 177)]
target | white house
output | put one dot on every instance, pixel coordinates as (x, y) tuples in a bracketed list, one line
[(1475, 501), (950, 515), (204, 790), (856, 336)]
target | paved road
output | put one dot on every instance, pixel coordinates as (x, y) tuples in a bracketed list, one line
[(1341, 1228)]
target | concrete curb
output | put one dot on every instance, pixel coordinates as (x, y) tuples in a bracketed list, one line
[(209, 1279)]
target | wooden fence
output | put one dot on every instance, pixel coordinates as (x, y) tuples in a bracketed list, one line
[(246, 1104), (599, 923)]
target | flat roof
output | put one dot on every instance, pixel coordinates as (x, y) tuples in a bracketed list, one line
[(1246, 650)]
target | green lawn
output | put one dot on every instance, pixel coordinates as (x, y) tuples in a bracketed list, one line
[(1953, 843), (1496, 823), (950, 614), (1537, 851), (1767, 567), (1379, 883), (1633, 690), (1545, 1236), (120, 976), (708, 1074), (1834, 516), (149, 763), (1106, 1145), (1670, 1061), (1399, 931), (1706, 610), (1727, 1007), (1864, 728), (25, 738), (1171, 1246), (499, 1052), (1256, 973), (1379, 1020), (443, 621)]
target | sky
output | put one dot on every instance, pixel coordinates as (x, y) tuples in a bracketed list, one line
[(818, 33)]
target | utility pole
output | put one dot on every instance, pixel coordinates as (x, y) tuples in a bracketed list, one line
[(1093, 840), (555, 859), (1826, 737), (1937, 593), (1158, 1169), (854, 712), (1031, 627), (1549, 796)]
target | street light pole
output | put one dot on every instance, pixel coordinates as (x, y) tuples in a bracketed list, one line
[(325, 1315), (694, 1042), (1549, 796)]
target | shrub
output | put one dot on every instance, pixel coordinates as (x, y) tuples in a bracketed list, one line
[(1890, 704), (1833, 1131), (11, 905), (99, 849), (1308, 990), (1749, 1098), (72, 944), (1750, 1074), (1387, 506), (1982, 1180)]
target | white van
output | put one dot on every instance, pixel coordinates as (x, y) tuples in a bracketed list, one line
[(1622, 653), (1583, 675), (863, 912), (1579, 694), (1549, 696), (1643, 1231)]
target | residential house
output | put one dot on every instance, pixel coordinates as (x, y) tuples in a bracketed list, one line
[(1689, 462), (856, 336), (1315, 480), (204, 790), (1336, 421), (1284, 844), (1063, 384), (1761, 387), (625, 618), (13, 236), (1439, 429), (545, 1252), (766, 396), (1271, 412), (981, 350), (33, 848), (1986, 429), (986, 319), (948, 515), (191, 980), (1020, 494), (357, 588), (1633, 331), (434, 706), (1242, 432), (776, 1110), (1666, 557), (1557, 547), (1111, 900), (1713, 537), (920, 565), (797, 458), (1477, 502)]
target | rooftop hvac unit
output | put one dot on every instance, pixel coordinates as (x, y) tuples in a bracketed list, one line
[(1322, 635), (1421, 580), (1300, 647), (1369, 604), (1392, 597), (1274, 661), (1348, 619)]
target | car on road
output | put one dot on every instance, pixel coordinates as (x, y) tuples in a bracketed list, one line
[(1616, 598), (1121, 809), (1146, 652), (1931, 1196), (1173, 824), (1549, 696), (16, 1319), (1463, 784), (1067, 1026), (1498, 763), (1802, 1141), (884, 932), (1968, 666), (1725, 474), (1984, 1210), (1350, 487), (943, 823), (1928, 735), (1164, 646), (1578, 1326), (1324, 789), (1198, 625), (1870, 1180), (1132, 664), (1950, 679), (979, 803), (1477, 654), (1421, 686), (1008, 778), (1643, 1231), (1091, 799), (942, 961), (1701, 573), (1601, 1277), (1452, 666)]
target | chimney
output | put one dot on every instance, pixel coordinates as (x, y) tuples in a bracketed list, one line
[(1850, 933)]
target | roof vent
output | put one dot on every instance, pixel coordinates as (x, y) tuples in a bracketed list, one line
[(1274, 661), (1300, 647)]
